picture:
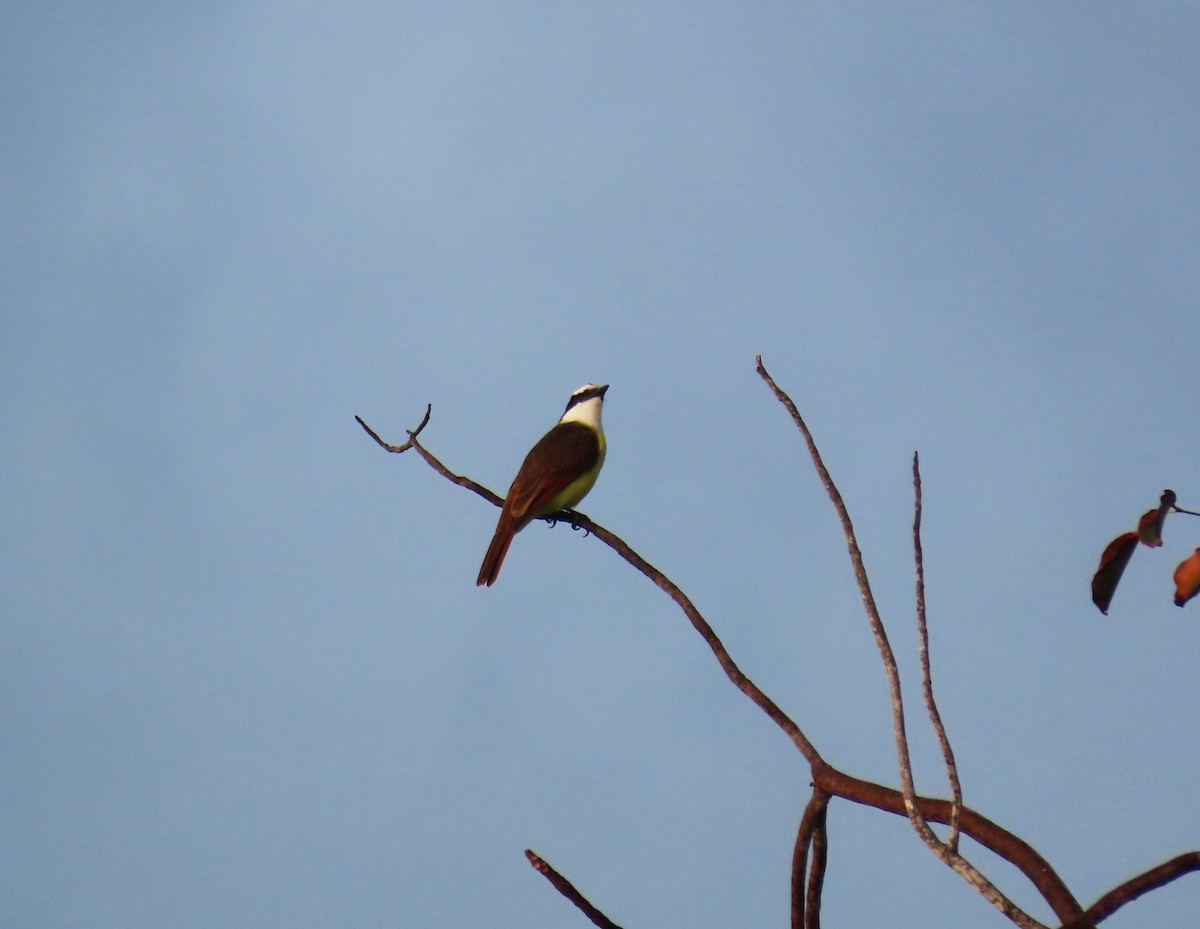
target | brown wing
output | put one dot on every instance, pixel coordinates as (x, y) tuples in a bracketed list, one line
[(561, 455)]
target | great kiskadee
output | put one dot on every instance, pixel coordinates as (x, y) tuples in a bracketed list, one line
[(557, 473)]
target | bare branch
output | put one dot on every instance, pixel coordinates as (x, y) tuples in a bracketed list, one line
[(864, 587), (935, 718), (829, 779), (412, 433), (567, 889), (440, 468), (993, 837), (812, 822), (700, 624), (1135, 887), (960, 865), (816, 875)]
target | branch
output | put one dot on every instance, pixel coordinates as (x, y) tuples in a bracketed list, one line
[(990, 835), (864, 587), (700, 624), (806, 903), (935, 718), (567, 889), (816, 875), (951, 857), (829, 779), (1135, 887), (440, 468)]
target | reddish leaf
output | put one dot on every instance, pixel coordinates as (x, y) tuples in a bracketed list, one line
[(1150, 526), (1187, 578), (1112, 566)]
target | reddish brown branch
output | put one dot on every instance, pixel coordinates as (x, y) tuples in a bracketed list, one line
[(1156, 877), (816, 874), (806, 895), (567, 889), (991, 836)]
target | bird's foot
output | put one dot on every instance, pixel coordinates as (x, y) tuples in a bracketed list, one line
[(572, 517)]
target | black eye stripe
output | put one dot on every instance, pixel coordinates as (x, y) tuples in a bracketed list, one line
[(586, 395)]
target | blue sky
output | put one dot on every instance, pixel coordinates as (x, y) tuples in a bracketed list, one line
[(247, 678)]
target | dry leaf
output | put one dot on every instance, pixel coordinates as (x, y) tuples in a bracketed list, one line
[(1150, 526), (1112, 566), (1187, 578)]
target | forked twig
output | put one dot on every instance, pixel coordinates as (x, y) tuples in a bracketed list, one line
[(567, 889), (951, 857), (459, 479), (935, 718)]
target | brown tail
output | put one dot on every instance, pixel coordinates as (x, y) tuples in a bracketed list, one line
[(506, 528)]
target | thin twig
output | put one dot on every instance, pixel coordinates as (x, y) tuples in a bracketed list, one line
[(864, 587), (412, 433), (960, 865), (935, 718), (567, 889), (459, 479)]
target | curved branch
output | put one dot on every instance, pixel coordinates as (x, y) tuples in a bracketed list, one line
[(1156, 877), (993, 837), (812, 833), (816, 875)]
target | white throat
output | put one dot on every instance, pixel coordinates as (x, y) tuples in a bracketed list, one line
[(587, 413)]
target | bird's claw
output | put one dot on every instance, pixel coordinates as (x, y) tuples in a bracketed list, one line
[(572, 517)]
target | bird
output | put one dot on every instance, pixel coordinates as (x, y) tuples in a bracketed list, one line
[(557, 473)]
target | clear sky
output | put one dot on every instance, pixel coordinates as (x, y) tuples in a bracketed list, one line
[(246, 678)]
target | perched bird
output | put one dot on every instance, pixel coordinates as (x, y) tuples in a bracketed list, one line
[(557, 473)]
